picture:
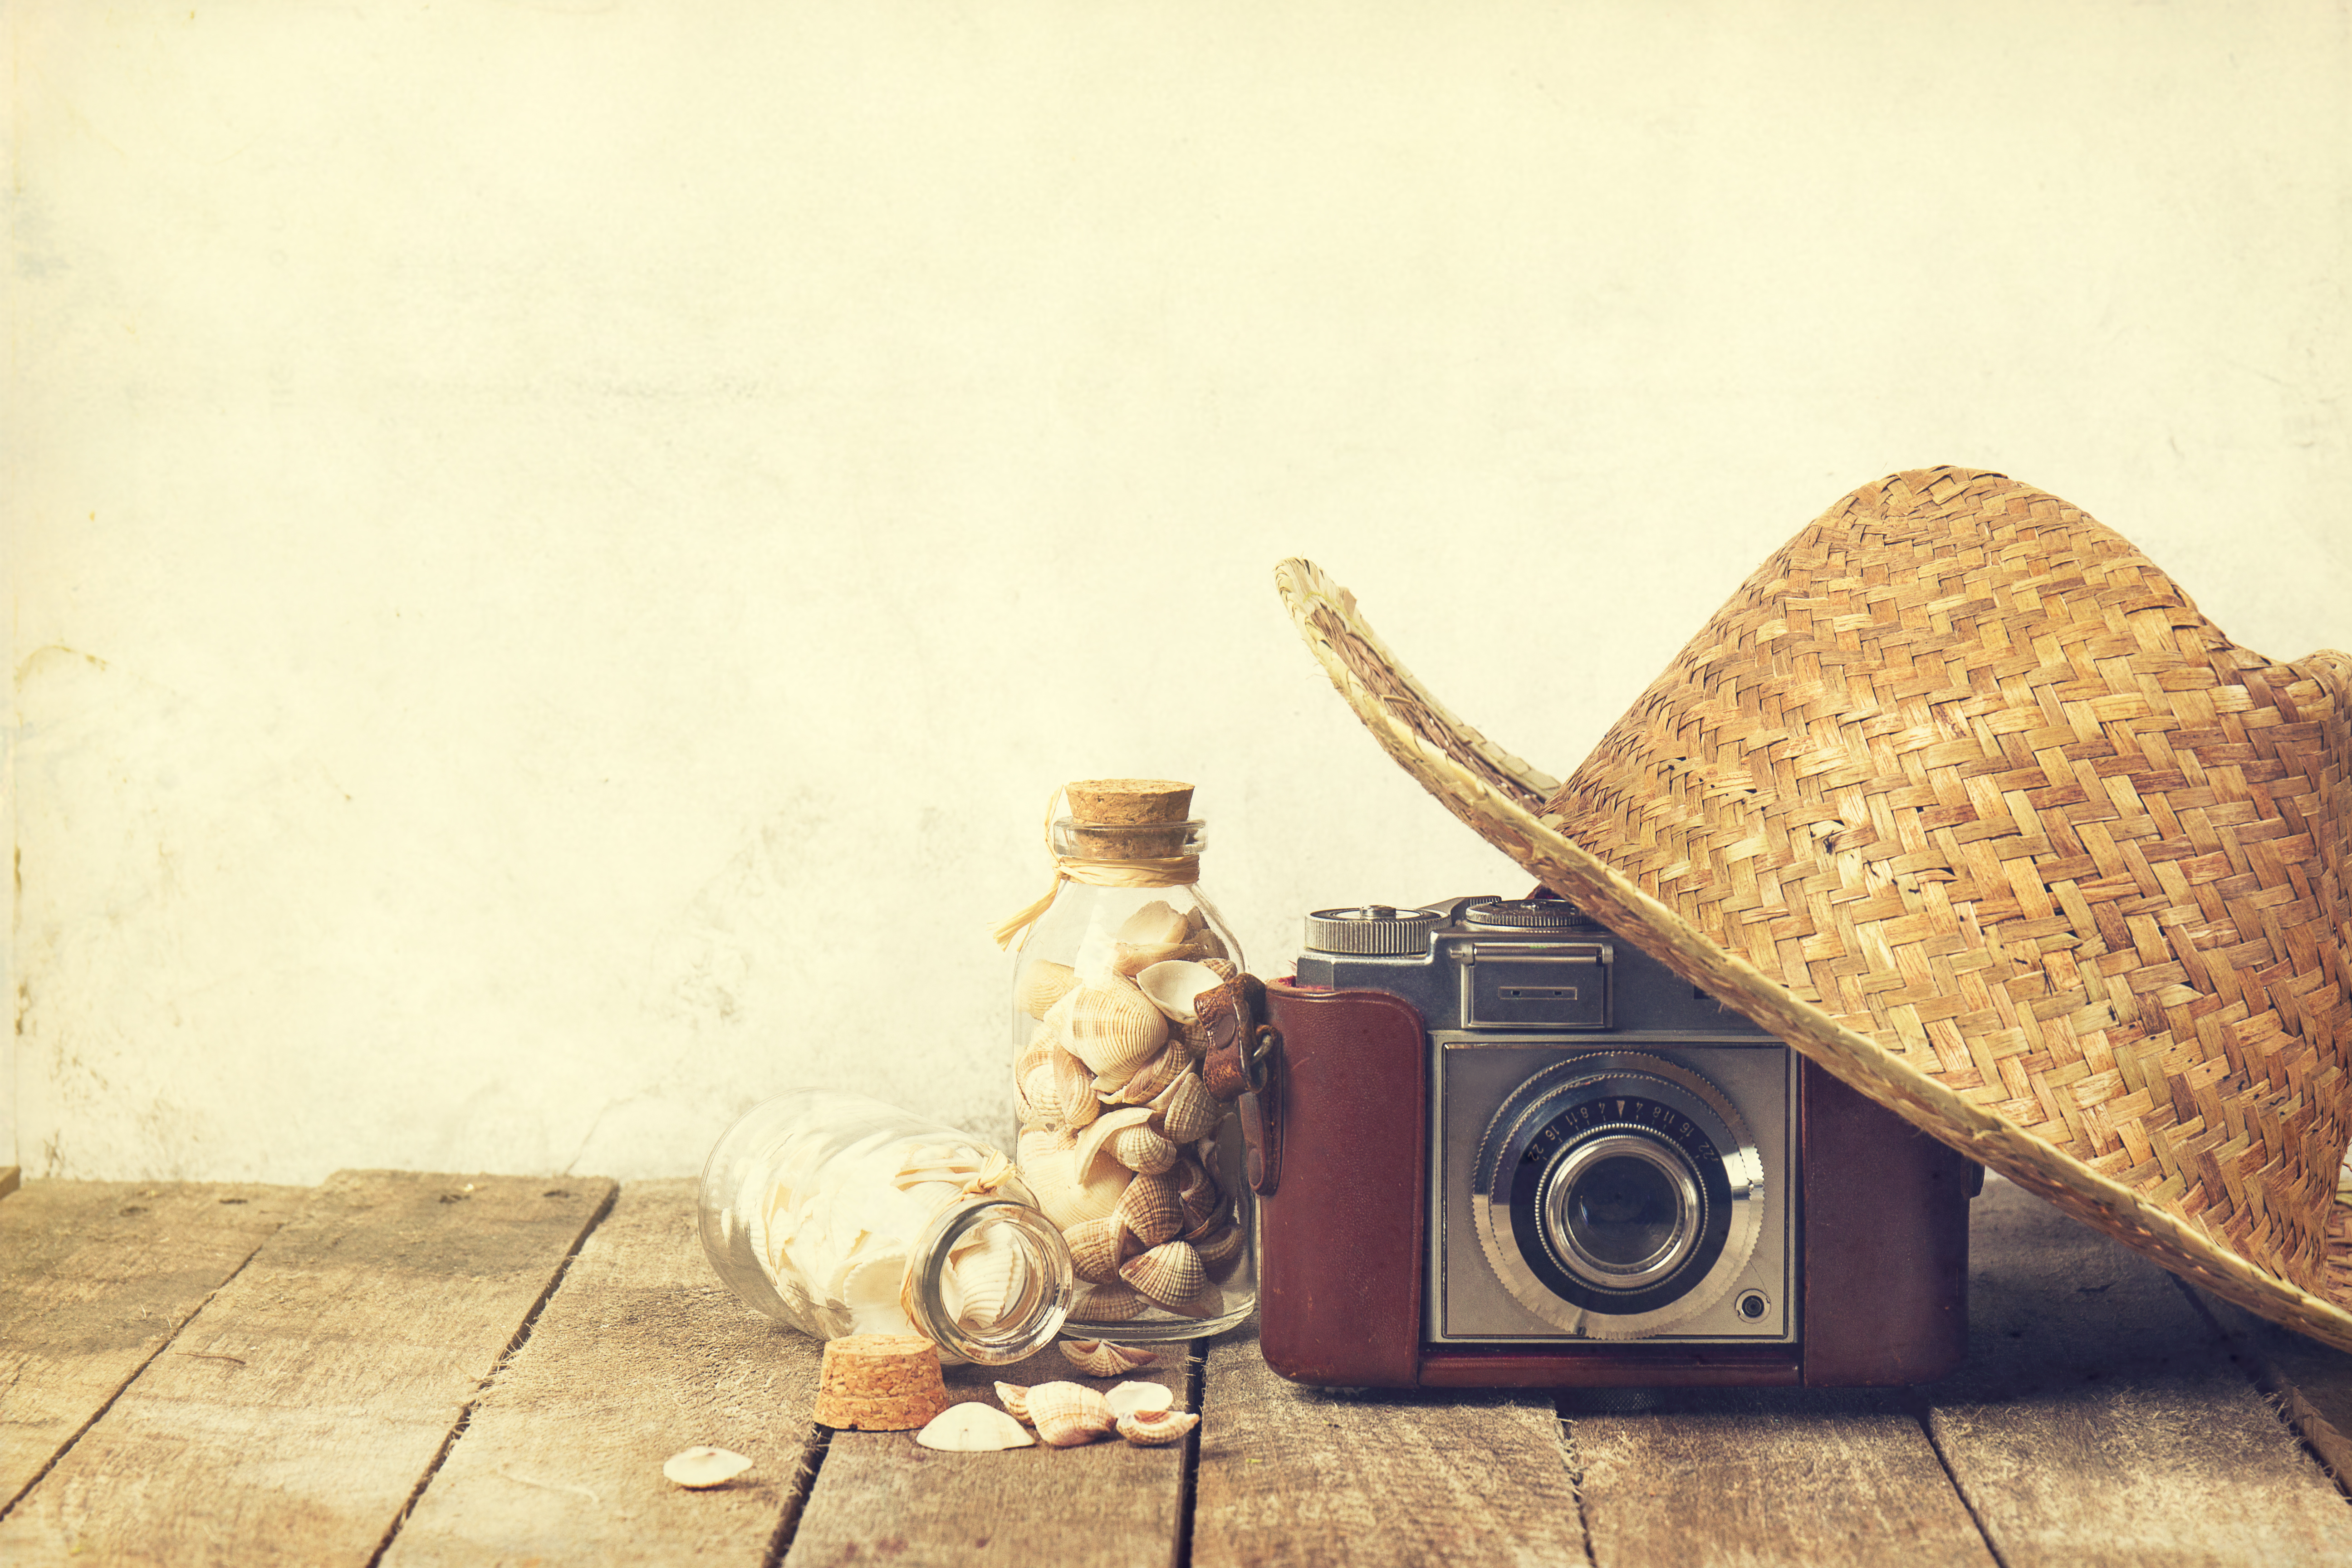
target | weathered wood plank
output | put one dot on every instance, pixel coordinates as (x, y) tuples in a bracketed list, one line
[(95, 1277), (641, 1352), (2311, 1383), (300, 1408), (2100, 1420), (882, 1495), (1299, 1475), (1767, 1476)]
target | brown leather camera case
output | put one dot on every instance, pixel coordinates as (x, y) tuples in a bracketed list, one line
[(1883, 1220)]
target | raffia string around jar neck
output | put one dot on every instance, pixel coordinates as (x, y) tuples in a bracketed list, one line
[(1117, 808)]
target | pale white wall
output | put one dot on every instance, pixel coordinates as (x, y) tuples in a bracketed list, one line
[(560, 549)]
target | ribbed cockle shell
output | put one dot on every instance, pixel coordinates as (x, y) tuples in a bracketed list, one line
[(1150, 1211), (1169, 1274), (1198, 1191), (1154, 1429), (1149, 1080), (1106, 1304), (1112, 1028), (1097, 1246), (1183, 1110), (1068, 1414), (1016, 1400), (1073, 1089), (1141, 1149), (1043, 983), (1220, 1246)]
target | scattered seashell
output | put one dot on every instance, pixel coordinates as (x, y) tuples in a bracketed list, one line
[(1097, 1246), (1172, 986), (1016, 1400), (1068, 1414), (704, 1467), (1100, 1358), (1183, 1110), (1112, 1028), (1128, 1398), (1154, 1429), (1142, 1150), (973, 1427), (1150, 1211), (1157, 922), (1043, 983), (1169, 1274)]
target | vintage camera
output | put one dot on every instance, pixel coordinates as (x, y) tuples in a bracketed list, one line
[(1497, 1146)]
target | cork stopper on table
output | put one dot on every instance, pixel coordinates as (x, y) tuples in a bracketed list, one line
[(879, 1382), (1125, 812)]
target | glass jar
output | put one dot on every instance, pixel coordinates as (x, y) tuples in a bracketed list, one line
[(839, 1215), (1119, 1136)]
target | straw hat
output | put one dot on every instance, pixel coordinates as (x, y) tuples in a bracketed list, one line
[(1962, 799)]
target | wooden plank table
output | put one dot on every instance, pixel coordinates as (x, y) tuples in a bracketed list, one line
[(411, 1369)]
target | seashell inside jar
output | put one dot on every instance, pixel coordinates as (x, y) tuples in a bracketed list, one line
[(1118, 1137)]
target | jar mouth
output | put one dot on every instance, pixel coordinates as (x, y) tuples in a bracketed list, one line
[(991, 1282)]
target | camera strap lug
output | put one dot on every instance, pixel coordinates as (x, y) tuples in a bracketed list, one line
[(1242, 1068), (1261, 1109)]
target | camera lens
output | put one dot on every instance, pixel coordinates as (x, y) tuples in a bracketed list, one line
[(1622, 1209), (1622, 1212)]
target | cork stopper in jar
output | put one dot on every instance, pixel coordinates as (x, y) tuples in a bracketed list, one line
[(1115, 819), (879, 1382)]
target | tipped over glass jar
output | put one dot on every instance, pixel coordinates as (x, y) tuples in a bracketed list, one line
[(839, 1215), (1126, 1149)]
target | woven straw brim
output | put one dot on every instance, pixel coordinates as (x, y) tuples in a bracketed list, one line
[(1962, 799)]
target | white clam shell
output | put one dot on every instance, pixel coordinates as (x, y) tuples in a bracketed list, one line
[(703, 1466), (1173, 985), (1157, 922), (1128, 1398), (973, 1427)]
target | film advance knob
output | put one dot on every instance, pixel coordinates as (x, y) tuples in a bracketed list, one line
[(1371, 931)]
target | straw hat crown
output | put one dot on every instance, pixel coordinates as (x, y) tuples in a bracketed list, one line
[(1963, 798)]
